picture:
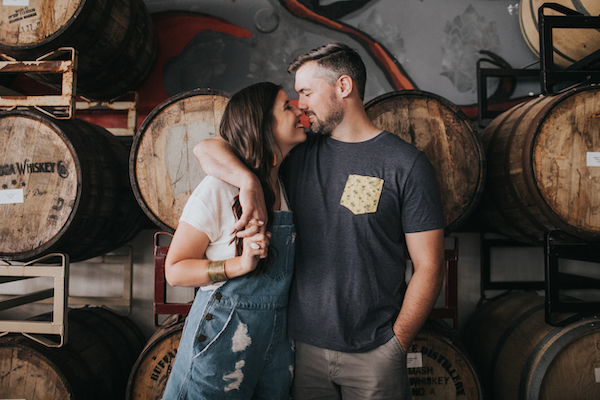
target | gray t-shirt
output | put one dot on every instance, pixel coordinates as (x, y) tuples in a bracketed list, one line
[(352, 204)]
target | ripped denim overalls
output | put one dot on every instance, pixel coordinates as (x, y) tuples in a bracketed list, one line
[(234, 343)]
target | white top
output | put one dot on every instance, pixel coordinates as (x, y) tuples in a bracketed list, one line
[(208, 209)]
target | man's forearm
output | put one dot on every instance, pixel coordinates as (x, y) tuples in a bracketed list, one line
[(427, 255), (217, 159), (421, 295)]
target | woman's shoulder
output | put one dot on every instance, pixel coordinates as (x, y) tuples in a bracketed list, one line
[(211, 187)]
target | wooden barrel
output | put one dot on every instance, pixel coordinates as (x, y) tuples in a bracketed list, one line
[(162, 167), (440, 367), (544, 167), (115, 39), (64, 188), (149, 375), (94, 363), (445, 134), (569, 45), (520, 357)]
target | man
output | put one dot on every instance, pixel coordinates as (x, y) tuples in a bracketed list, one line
[(359, 195)]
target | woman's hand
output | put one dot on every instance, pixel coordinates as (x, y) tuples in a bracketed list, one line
[(255, 247)]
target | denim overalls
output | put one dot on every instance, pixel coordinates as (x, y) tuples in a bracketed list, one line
[(234, 343)]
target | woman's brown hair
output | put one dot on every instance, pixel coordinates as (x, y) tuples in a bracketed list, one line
[(247, 124)]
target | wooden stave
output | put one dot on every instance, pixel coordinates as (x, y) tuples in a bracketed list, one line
[(151, 210), (456, 211), (513, 202), (137, 387)]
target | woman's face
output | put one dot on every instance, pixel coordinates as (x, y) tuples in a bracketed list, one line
[(288, 130)]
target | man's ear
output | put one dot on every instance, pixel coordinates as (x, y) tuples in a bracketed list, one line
[(345, 85)]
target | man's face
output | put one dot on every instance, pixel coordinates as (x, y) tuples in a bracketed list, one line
[(317, 98)]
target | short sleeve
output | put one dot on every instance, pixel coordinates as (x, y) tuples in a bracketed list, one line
[(208, 209), (421, 203)]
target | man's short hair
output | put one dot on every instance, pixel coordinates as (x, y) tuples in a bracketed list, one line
[(336, 59)]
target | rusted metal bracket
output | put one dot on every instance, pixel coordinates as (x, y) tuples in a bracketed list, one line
[(161, 305), (109, 108), (61, 61), (584, 71)]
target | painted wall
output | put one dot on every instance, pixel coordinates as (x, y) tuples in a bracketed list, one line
[(434, 43)]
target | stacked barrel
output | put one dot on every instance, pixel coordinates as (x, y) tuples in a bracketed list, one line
[(65, 187)]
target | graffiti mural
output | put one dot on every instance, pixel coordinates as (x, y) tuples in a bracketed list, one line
[(464, 37), (431, 45)]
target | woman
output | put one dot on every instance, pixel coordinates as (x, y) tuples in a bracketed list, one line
[(234, 342)]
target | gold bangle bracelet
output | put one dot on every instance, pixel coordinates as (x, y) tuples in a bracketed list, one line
[(216, 271)]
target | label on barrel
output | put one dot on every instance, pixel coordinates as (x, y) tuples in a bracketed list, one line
[(414, 360), (593, 159), (15, 2), (597, 371), (11, 196)]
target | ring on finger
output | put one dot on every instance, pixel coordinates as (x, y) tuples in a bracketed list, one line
[(254, 246)]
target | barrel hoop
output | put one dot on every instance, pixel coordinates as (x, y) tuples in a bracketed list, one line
[(495, 199), (531, 45), (502, 340), (117, 51), (137, 11), (544, 354), (521, 205), (106, 13), (506, 176)]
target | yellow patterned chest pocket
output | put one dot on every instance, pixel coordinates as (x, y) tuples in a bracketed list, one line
[(361, 194)]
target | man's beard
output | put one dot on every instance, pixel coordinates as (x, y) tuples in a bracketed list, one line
[(325, 127), (332, 119)]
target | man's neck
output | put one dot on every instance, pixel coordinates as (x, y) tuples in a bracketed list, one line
[(354, 130)]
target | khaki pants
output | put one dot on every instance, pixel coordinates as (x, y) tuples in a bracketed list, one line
[(378, 374)]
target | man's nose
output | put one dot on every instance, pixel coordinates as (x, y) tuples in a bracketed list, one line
[(300, 104)]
